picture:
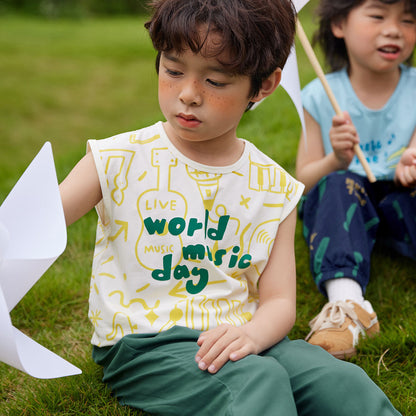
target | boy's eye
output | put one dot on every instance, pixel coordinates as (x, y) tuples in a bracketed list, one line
[(216, 83), (377, 16), (172, 72)]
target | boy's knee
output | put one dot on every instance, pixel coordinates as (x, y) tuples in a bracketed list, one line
[(262, 371), (346, 389), (260, 385)]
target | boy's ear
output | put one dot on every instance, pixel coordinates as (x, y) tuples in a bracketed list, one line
[(268, 85)]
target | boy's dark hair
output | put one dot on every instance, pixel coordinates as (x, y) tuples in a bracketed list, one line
[(257, 34), (332, 11)]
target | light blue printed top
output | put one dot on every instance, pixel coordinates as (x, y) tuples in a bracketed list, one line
[(384, 133)]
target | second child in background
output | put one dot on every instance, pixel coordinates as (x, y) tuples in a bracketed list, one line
[(369, 47)]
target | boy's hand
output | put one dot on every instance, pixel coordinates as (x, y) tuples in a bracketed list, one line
[(406, 168), (221, 344), (343, 136), (274, 317)]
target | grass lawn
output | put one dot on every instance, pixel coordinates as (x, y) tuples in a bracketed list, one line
[(70, 80)]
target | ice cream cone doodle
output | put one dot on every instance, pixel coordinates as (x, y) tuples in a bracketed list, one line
[(208, 184)]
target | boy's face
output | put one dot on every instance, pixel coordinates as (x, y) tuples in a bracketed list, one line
[(202, 102), (378, 36)]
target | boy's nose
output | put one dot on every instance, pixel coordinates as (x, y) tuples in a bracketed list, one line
[(190, 94)]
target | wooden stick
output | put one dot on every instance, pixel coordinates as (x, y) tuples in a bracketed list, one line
[(320, 73)]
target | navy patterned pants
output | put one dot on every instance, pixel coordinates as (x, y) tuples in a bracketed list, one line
[(344, 215)]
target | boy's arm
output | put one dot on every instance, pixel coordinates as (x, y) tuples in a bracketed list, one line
[(274, 317), (311, 163), (405, 174), (80, 190)]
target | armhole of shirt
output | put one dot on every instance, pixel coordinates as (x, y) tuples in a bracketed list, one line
[(101, 207), (291, 205)]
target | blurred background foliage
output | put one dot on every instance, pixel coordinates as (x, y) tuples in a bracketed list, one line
[(73, 8)]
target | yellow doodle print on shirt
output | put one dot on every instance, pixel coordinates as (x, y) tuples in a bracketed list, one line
[(134, 300), (208, 184), (233, 225), (121, 231), (95, 317), (101, 243), (93, 285), (134, 140), (244, 201), (264, 178), (225, 311), (262, 234), (172, 206), (175, 316), (121, 319), (122, 159), (151, 316)]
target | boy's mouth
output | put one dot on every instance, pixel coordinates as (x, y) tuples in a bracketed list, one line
[(188, 120)]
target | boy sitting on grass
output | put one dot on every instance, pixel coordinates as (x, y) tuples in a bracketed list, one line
[(191, 305)]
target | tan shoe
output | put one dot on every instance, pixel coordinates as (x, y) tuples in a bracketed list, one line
[(339, 326)]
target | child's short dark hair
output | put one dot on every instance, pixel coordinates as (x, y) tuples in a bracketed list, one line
[(257, 34), (331, 11)]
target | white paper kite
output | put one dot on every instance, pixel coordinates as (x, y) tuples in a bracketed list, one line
[(32, 236)]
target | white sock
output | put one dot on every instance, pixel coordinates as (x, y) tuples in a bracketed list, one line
[(344, 289)]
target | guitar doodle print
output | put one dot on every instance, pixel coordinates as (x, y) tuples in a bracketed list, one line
[(159, 210)]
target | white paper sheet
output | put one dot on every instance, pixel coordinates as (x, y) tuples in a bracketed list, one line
[(290, 76), (32, 236)]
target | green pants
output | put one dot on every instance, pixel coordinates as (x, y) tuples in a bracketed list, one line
[(158, 374)]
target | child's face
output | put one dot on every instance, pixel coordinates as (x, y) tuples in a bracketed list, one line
[(378, 36), (201, 100)]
